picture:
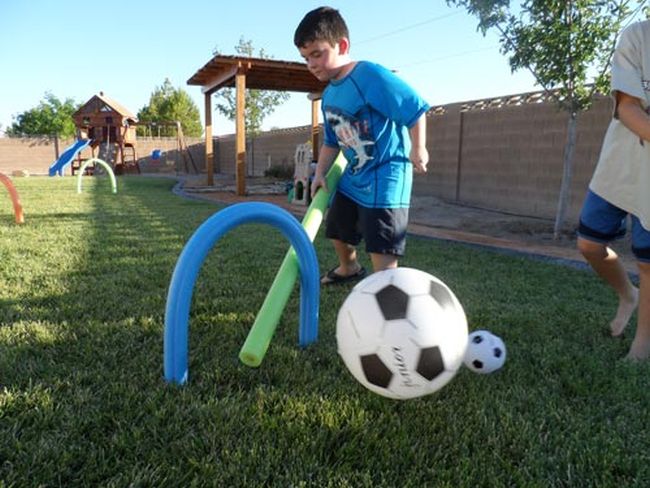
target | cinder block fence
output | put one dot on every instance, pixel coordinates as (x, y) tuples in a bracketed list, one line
[(504, 154)]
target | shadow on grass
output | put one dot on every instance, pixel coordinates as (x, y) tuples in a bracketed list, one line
[(82, 396), (112, 271)]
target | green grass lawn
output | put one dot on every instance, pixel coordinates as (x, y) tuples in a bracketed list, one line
[(83, 402)]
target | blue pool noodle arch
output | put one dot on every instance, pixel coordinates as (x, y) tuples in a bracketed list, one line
[(196, 249)]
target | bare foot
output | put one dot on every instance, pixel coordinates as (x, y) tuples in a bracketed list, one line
[(638, 354), (625, 310)]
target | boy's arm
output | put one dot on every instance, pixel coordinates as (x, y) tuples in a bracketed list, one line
[(419, 155), (631, 114), (326, 156)]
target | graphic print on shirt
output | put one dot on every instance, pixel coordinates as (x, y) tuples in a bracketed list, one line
[(353, 134)]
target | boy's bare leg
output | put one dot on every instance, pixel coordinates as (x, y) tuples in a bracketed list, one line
[(381, 262), (609, 267), (640, 348), (347, 254)]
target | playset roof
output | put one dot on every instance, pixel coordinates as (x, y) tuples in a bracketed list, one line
[(102, 103)]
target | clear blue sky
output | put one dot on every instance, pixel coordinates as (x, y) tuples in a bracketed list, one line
[(126, 48)]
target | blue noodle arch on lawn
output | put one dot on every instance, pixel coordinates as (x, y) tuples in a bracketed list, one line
[(193, 255)]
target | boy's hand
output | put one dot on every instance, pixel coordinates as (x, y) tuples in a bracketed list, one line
[(420, 158), (319, 181)]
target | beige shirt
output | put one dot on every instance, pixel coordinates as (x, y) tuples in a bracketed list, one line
[(622, 175)]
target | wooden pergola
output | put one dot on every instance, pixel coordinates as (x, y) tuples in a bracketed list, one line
[(257, 74)]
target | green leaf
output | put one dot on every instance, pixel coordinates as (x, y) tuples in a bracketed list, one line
[(259, 103)]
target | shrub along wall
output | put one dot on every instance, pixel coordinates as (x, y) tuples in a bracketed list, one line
[(272, 148)]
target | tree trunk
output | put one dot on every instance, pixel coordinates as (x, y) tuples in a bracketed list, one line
[(567, 174)]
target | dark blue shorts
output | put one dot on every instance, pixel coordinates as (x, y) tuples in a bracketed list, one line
[(383, 229), (602, 222)]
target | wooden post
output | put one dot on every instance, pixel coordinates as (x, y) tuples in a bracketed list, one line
[(240, 129), (315, 128), (209, 154)]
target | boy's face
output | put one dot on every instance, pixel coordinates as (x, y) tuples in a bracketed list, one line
[(324, 60)]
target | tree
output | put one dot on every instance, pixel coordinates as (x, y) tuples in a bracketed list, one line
[(168, 105), (50, 117), (567, 46), (259, 103)]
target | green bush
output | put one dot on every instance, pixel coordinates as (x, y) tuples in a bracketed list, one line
[(280, 172)]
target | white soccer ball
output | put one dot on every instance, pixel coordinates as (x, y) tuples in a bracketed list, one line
[(402, 333), (486, 352)]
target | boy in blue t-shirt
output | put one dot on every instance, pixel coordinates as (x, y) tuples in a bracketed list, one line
[(379, 123)]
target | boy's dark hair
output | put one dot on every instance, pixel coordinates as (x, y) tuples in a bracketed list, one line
[(321, 24)]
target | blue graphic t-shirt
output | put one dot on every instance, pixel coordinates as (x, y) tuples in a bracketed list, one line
[(367, 115)]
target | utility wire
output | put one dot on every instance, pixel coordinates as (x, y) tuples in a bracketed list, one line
[(408, 27), (441, 58)]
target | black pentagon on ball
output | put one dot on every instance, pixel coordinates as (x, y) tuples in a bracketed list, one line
[(477, 364), (441, 294), (375, 370), (430, 363), (393, 302), (477, 339), (497, 352)]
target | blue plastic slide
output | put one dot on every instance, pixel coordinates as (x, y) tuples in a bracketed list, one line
[(67, 156)]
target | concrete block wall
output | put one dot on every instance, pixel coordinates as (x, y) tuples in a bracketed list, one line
[(36, 154), (503, 154), (512, 157), (272, 148), (443, 144), (171, 160), (33, 154)]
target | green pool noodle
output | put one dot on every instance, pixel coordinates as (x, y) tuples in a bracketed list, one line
[(258, 340), (106, 166)]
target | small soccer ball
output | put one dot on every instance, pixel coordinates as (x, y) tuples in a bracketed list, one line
[(486, 352), (402, 333)]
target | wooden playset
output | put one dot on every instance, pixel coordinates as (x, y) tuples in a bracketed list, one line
[(111, 129)]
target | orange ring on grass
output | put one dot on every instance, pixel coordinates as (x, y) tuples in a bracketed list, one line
[(13, 194)]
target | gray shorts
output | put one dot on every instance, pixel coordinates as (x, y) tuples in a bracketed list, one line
[(383, 229)]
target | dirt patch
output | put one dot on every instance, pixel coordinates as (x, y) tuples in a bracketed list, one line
[(435, 216), (434, 212)]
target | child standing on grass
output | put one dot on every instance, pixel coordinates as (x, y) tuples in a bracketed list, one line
[(379, 123), (620, 187)]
